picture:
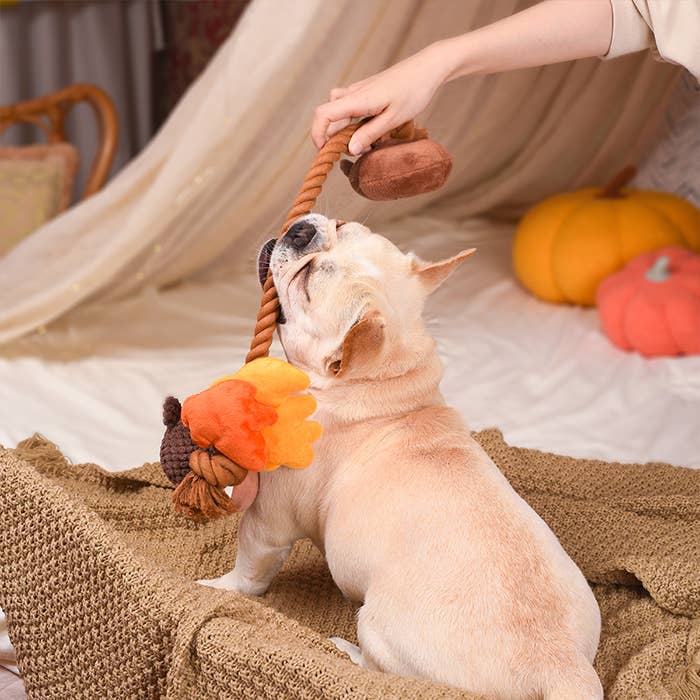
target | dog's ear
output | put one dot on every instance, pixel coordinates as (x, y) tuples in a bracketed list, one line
[(361, 346), (432, 275)]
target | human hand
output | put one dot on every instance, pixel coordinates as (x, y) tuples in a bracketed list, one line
[(391, 97), (547, 32)]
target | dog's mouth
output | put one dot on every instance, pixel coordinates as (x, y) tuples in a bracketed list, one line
[(264, 259), (303, 267), (305, 272)]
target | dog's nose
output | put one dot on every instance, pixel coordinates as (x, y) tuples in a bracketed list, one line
[(300, 234)]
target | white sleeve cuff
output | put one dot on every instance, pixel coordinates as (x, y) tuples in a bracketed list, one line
[(630, 32)]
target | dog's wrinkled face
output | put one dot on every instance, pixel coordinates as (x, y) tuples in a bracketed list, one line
[(350, 298)]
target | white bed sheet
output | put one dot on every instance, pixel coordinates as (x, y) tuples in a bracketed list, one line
[(545, 375)]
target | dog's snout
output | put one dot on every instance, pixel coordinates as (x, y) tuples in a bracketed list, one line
[(300, 234)]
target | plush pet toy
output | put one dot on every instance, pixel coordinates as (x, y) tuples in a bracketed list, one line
[(250, 421), (256, 419), (404, 164)]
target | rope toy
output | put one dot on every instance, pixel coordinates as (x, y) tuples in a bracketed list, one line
[(257, 419)]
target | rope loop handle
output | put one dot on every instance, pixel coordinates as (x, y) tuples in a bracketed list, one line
[(310, 189)]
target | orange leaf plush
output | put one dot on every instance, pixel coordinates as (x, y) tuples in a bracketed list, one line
[(265, 424), (228, 417), (278, 385), (274, 379)]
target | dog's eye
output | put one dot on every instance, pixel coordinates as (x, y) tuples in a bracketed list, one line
[(334, 367)]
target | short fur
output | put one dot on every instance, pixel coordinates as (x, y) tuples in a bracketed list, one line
[(460, 581)]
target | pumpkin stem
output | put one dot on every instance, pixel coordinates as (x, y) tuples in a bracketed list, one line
[(659, 271), (612, 189)]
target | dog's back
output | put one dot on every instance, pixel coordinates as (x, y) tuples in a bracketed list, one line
[(422, 527)]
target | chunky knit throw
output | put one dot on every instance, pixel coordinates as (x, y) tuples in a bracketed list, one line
[(97, 579)]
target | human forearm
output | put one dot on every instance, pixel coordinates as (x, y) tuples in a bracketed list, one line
[(549, 32)]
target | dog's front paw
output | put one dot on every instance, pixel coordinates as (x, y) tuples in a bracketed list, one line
[(227, 582), (352, 650), (233, 582)]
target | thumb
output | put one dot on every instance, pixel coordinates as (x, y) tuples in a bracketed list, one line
[(370, 132)]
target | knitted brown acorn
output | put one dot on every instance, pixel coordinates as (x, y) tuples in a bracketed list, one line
[(403, 164), (177, 444)]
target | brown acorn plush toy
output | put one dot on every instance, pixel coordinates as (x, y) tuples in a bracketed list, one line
[(177, 444), (403, 164)]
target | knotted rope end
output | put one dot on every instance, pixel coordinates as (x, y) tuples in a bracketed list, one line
[(199, 500)]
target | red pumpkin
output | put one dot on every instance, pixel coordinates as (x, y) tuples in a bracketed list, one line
[(653, 305)]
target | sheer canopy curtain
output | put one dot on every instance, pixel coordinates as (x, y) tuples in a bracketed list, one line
[(228, 161)]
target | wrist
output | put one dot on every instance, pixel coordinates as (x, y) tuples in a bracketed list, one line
[(465, 54), (440, 60)]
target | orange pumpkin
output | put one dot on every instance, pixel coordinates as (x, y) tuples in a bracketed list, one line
[(566, 245), (653, 305)]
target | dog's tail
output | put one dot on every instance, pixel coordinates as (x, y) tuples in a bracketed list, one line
[(578, 682)]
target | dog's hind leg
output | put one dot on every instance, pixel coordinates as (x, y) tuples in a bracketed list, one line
[(378, 652), (581, 682)]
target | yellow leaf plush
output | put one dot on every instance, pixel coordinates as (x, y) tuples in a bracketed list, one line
[(274, 379), (289, 439), (277, 384)]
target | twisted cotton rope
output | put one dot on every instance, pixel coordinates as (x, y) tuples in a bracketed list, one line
[(310, 190)]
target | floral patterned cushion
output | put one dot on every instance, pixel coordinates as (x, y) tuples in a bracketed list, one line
[(36, 184)]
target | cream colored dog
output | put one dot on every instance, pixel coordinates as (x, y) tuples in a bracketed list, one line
[(460, 580)]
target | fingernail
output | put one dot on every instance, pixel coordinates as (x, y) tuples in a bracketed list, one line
[(355, 148)]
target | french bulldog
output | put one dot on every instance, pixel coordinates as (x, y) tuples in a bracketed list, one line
[(459, 580)]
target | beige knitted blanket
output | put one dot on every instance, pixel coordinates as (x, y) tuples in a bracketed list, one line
[(97, 579)]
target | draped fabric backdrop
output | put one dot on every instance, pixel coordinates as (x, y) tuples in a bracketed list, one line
[(227, 163)]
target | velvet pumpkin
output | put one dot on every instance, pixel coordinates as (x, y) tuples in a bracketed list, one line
[(567, 244), (653, 305)]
